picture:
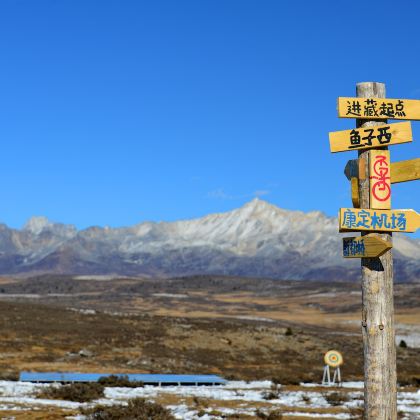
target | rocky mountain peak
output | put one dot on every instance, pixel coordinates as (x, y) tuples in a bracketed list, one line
[(257, 205), (37, 224)]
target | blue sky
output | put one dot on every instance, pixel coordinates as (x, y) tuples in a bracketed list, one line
[(116, 112)]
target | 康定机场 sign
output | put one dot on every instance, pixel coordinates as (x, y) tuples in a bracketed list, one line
[(379, 108), (351, 219), (370, 137)]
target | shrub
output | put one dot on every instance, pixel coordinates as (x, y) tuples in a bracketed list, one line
[(200, 402), (215, 413), (270, 395), (273, 415), (9, 376), (306, 399), (119, 381), (136, 409), (335, 398), (288, 331), (273, 394), (284, 379), (79, 392), (409, 381), (403, 344), (356, 413)]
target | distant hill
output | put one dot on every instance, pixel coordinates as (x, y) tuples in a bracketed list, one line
[(258, 239)]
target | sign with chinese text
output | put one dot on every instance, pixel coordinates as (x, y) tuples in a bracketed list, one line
[(370, 137), (368, 246), (380, 179), (379, 108), (351, 219)]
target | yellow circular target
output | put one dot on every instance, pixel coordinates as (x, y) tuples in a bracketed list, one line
[(333, 358)]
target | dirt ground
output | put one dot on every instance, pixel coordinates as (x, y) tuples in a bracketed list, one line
[(229, 326)]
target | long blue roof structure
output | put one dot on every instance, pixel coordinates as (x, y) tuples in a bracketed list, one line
[(147, 379)]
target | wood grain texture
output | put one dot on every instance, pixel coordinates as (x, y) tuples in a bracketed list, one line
[(380, 179), (375, 107), (405, 170), (378, 331), (363, 139), (368, 246)]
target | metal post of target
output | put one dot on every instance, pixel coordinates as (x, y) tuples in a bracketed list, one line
[(326, 377)]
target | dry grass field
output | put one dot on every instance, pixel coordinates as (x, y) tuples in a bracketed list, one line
[(233, 327)]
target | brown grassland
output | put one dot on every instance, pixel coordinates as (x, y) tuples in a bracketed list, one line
[(233, 327), (230, 326)]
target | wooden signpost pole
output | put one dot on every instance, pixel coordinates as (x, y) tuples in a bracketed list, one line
[(377, 295)]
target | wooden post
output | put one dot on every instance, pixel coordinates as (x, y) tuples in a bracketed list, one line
[(378, 304)]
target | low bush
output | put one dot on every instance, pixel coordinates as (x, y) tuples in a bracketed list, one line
[(119, 381), (273, 415), (335, 398), (273, 394), (356, 413), (79, 392), (200, 402), (136, 409), (9, 376), (406, 380), (285, 380), (306, 399), (288, 332)]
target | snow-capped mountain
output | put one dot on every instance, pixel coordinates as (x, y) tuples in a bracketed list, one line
[(258, 239)]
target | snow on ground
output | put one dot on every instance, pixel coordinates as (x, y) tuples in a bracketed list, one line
[(247, 385), (14, 395), (344, 384), (243, 398)]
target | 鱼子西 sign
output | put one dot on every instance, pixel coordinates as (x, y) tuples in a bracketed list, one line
[(370, 137)]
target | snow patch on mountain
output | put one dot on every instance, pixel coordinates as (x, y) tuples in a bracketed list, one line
[(37, 224)]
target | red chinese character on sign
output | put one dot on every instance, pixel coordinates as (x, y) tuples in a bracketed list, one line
[(381, 189)]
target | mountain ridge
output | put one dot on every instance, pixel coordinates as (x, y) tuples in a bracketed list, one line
[(257, 239)]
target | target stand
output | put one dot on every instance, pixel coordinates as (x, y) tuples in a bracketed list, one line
[(333, 359)]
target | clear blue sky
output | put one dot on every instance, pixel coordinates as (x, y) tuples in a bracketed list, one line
[(116, 112)]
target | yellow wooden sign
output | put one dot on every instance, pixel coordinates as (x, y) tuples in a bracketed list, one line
[(368, 246), (370, 137), (380, 179), (405, 170), (379, 108), (351, 219), (354, 183)]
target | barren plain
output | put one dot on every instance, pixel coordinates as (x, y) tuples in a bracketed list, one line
[(240, 328)]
